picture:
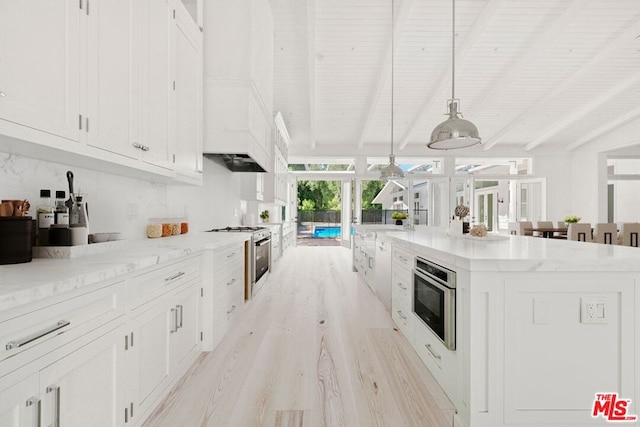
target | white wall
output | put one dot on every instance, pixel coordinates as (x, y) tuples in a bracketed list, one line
[(112, 198)]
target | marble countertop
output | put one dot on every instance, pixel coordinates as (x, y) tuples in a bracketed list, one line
[(44, 277), (516, 253)]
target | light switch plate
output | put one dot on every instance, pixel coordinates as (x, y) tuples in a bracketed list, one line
[(593, 310)]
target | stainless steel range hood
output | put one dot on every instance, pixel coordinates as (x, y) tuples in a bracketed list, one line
[(237, 162)]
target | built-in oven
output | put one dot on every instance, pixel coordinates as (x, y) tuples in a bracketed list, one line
[(261, 259), (434, 299)]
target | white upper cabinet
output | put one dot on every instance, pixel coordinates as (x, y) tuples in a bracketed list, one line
[(155, 53), (39, 67), (110, 108), (117, 81), (187, 145)]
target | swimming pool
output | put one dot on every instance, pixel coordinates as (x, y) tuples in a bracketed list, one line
[(326, 232)]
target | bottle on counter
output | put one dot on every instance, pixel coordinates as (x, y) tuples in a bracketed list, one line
[(61, 211), (45, 217)]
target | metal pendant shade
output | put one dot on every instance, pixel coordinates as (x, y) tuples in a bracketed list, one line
[(391, 171), (455, 132)]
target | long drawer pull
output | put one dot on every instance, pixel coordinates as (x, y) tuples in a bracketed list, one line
[(404, 288), (175, 276), (26, 340), (56, 404), (232, 310), (433, 353), (403, 317), (231, 282), (403, 259), (231, 254), (35, 402)]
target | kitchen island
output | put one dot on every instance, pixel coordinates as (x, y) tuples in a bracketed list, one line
[(541, 325)]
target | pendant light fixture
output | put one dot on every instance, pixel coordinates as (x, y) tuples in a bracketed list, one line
[(455, 132), (391, 171)]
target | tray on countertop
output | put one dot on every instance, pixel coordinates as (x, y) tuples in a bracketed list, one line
[(68, 252)]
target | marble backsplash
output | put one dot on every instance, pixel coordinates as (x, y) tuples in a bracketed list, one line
[(123, 204)]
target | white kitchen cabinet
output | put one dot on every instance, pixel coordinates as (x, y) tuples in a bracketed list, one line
[(402, 292), (288, 235), (187, 144), (382, 271), (252, 187), (110, 109), (155, 129), (276, 186), (86, 387), (40, 72), (186, 339), (20, 403)]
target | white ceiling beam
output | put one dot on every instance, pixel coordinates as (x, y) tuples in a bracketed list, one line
[(565, 122), (619, 121), (311, 63), (487, 14), (401, 18), (562, 86)]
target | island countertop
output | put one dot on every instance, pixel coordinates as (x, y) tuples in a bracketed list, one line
[(515, 253), (45, 277)]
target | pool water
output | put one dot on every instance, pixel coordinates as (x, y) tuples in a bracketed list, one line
[(326, 232)]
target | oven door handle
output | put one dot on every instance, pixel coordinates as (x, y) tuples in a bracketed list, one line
[(432, 281), (263, 242)]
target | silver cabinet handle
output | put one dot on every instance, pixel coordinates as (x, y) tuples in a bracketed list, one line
[(175, 276), (370, 259), (179, 313), (56, 404), (233, 308), (26, 340), (136, 145), (403, 259), (401, 315), (231, 282), (230, 255), (174, 328), (35, 402), (144, 148), (404, 288), (433, 353)]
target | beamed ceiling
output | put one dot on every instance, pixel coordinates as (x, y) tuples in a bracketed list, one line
[(530, 74)]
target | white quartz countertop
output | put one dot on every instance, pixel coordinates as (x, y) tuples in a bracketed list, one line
[(516, 253), (45, 277)]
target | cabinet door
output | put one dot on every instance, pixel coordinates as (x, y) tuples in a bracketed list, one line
[(86, 388), (186, 341), (187, 147), (148, 361), (19, 404), (39, 71), (110, 85), (156, 34)]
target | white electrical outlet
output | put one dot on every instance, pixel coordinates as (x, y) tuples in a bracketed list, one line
[(593, 310)]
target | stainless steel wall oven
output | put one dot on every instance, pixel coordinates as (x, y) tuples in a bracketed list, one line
[(434, 299)]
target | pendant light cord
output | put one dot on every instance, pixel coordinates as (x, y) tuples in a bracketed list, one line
[(392, 56), (453, 50)]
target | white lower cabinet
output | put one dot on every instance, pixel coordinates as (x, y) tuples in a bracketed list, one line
[(84, 387), (20, 403)]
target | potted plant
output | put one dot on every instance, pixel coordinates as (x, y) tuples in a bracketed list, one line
[(264, 215), (571, 219), (398, 216)]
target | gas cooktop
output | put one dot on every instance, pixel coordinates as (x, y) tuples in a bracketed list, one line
[(237, 229)]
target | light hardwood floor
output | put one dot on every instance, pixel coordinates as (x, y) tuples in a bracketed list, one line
[(314, 348)]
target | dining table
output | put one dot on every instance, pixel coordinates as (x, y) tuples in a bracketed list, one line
[(550, 232)]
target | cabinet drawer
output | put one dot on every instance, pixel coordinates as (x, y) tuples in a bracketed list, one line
[(403, 318), (228, 287), (228, 258), (152, 284), (441, 361), (402, 259), (43, 327)]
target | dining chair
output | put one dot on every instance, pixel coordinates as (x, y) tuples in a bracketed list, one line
[(580, 231), (629, 232), (560, 224), (521, 228), (542, 224), (606, 233)]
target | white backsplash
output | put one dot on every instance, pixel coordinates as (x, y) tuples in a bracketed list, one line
[(122, 204)]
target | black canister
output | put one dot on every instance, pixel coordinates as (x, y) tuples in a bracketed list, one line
[(60, 235), (17, 234)]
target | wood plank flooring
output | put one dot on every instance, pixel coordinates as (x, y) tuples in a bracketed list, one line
[(315, 348)]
